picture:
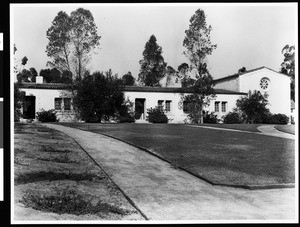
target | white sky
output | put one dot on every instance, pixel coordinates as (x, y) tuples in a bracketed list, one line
[(248, 36)]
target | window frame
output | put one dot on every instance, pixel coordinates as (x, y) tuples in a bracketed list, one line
[(217, 104), (168, 105), (60, 103), (224, 107), (69, 104)]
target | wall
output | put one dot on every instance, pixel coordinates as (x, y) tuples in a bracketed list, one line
[(278, 91), (231, 103), (45, 100), (176, 114), (231, 84)]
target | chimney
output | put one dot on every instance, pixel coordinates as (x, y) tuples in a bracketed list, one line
[(39, 79)]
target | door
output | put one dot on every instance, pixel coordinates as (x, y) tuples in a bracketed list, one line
[(29, 107), (140, 108)]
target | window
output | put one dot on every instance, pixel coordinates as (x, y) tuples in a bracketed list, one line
[(265, 84), (168, 105), (57, 103), (67, 104), (217, 108), (160, 103), (185, 107), (224, 104)]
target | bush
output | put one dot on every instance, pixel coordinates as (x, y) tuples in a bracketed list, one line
[(278, 119), (157, 115), (210, 118), (46, 115), (126, 114), (232, 118)]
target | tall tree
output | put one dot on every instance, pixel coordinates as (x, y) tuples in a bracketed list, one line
[(288, 66), (184, 75), (152, 65), (198, 45), (71, 41), (66, 77)]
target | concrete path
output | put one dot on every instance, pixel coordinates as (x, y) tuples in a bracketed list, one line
[(164, 193)]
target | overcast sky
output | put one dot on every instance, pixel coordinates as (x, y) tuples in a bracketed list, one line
[(248, 36)]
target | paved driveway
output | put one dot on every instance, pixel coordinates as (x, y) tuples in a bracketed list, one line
[(163, 193)]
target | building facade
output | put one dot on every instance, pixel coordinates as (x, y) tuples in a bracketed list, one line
[(228, 89)]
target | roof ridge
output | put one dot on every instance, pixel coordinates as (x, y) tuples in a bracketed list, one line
[(248, 71)]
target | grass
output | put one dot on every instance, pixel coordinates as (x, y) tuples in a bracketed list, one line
[(69, 201), (26, 178), (223, 157), (286, 128), (53, 174)]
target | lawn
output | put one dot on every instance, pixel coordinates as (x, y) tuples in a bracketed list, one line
[(286, 128), (56, 180), (241, 127), (222, 157)]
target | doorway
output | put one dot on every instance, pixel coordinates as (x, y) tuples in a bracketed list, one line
[(140, 109), (29, 107)]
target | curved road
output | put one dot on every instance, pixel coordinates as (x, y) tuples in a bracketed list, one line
[(164, 193)]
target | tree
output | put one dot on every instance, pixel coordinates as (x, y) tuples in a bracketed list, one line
[(253, 108), (34, 74), (66, 77), (201, 93), (55, 76), (197, 40), (152, 64), (71, 40), (24, 61), (99, 96), (183, 74), (170, 78), (18, 102), (24, 76), (288, 66), (198, 45), (128, 79)]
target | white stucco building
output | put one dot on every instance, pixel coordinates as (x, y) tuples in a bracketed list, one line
[(228, 89)]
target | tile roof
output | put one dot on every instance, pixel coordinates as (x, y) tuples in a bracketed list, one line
[(248, 71), (44, 85), (127, 88)]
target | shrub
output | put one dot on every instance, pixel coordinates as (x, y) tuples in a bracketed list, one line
[(157, 115), (278, 119), (126, 113), (210, 118), (253, 107), (46, 115), (18, 102), (232, 118)]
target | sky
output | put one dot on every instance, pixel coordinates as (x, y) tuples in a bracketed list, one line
[(247, 35)]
